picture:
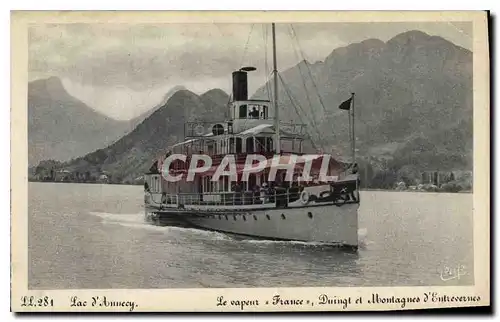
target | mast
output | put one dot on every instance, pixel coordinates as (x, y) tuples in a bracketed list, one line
[(353, 135), (275, 98)]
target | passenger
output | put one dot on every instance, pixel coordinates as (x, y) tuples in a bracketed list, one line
[(264, 193), (254, 113), (256, 194)]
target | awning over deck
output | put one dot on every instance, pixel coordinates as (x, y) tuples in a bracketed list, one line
[(257, 130), (300, 162)]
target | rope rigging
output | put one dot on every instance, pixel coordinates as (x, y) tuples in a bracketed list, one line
[(296, 107), (313, 118), (266, 64), (246, 45), (308, 68), (299, 54)]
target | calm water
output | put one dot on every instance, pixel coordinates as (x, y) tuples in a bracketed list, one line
[(94, 236)]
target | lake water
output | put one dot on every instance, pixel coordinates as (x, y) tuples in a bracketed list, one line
[(94, 236)]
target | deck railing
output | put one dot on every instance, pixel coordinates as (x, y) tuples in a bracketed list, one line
[(227, 198), (280, 196)]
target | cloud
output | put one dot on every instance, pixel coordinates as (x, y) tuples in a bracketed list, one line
[(146, 58), (141, 56)]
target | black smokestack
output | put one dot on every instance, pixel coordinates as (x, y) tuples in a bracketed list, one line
[(240, 86)]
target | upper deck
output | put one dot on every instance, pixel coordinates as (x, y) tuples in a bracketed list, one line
[(250, 128), (211, 130)]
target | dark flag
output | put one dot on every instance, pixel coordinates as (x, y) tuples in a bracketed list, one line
[(154, 167), (346, 105)]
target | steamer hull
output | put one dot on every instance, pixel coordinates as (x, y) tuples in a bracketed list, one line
[(334, 223)]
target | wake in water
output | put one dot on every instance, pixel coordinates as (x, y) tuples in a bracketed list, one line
[(137, 221), (363, 238)]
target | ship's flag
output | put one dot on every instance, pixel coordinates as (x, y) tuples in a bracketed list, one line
[(154, 167), (346, 105)]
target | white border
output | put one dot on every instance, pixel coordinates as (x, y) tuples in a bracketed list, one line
[(142, 5)]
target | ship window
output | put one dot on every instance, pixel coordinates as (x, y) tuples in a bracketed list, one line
[(234, 216), (209, 185), (309, 214), (226, 218), (244, 218), (263, 114), (231, 145), (243, 111), (238, 145), (222, 148), (220, 185), (260, 144), (254, 217), (283, 216), (252, 181), (210, 148), (249, 145), (268, 218), (269, 145), (253, 112)]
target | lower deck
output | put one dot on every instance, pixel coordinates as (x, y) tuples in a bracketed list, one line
[(340, 193)]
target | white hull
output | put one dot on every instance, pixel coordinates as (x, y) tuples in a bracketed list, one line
[(325, 223)]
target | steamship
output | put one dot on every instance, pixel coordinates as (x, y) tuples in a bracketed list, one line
[(281, 209)]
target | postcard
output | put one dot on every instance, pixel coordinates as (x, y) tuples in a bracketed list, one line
[(249, 161)]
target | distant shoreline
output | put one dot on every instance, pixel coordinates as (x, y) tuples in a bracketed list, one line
[(90, 182), (394, 190), (364, 189)]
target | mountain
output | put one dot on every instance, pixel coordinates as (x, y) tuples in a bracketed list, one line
[(61, 127), (413, 109), (213, 100), (130, 156), (137, 120), (412, 88)]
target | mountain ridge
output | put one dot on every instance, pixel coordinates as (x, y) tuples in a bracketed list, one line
[(59, 125), (396, 85), (413, 108), (132, 155)]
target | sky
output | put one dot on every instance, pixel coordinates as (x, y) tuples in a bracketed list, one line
[(122, 70)]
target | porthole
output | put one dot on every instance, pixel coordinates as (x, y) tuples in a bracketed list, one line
[(283, 216), (226, 218), (244, 218), (234, 216), (268, 218), (220, 217), (254, 217), (309, 214)]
